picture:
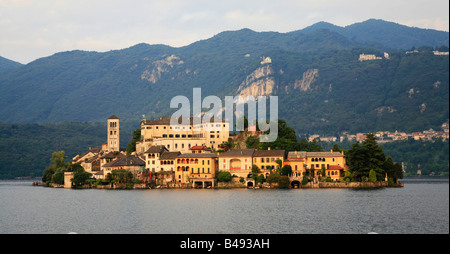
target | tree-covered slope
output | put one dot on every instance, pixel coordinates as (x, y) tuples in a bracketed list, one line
[(322, 87)]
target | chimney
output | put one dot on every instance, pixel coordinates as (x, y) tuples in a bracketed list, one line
[(331, 150)]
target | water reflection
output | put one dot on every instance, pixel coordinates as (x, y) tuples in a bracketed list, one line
[(419, 207)]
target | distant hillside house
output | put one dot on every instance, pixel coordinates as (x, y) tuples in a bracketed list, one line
[(364, 57)]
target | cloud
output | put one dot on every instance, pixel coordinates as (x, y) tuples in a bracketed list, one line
[(37, 28)]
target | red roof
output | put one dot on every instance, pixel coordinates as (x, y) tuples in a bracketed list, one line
[(335, 167), (197, 148)]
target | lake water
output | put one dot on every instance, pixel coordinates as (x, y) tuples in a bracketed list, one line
[(420, 207)]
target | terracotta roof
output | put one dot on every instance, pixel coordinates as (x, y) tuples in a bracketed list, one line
[(198, 147), (335, 167), (113, 117), (238, 153)]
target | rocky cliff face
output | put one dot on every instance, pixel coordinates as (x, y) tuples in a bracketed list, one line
[(154, 70), (259, 83), (308, 78)]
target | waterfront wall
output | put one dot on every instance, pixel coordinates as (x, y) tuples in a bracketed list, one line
[(231, 185), (239, 185), (364, 185)]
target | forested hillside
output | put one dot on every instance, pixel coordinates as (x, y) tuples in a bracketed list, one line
[(25, 149), (321, 84)]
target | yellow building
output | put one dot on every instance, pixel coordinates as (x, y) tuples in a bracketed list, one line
[(198, 169), (266, 160), (181, 137), (238, 162), (333, 163), (297, 163), (152, 158)]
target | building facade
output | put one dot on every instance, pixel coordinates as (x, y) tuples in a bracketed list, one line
[(181, 137), (266, 160), (238, 162), (326, 164), (194, 168)]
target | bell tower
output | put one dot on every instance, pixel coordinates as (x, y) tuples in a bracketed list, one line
[(113, 134)]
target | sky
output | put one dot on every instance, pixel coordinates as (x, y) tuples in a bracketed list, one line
[(31, 29)]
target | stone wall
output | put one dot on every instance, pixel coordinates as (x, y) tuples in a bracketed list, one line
[(231, 185), (353, 185)]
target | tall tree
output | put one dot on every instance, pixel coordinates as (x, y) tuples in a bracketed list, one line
[(136, 136), (376, 156), (365, 157)]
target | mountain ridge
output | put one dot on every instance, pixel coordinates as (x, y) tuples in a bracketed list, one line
[(372, 29), (318, 66)]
